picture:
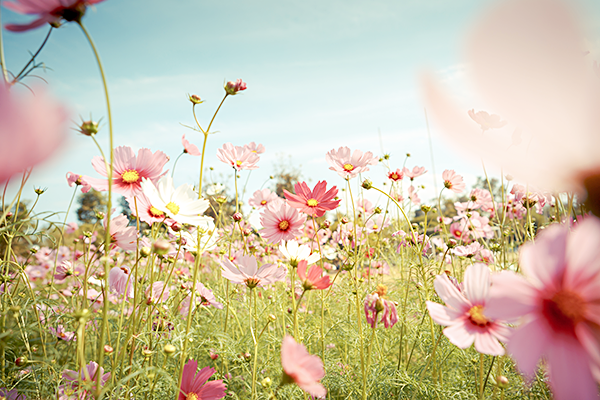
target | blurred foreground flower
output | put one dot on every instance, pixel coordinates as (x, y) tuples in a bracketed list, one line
[(195, 385), (559, 303), (48, 11), (30, 130), (301, 368), (312, 277), (526, 59), (73, 378)]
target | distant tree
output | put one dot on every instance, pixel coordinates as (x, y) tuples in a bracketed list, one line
[(482, 183), (89, 203), (286, 175)]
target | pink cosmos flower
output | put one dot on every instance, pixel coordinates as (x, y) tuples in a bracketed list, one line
[(246, 271), (60, 333), (413, 195), (376, 305), (157, 293), (526, 61), (253, 147), (34, 126), (349, 165), (377, 223), (301, 368), (311, 276), (195, 385), (189, 148), (147, 212), (465, 313), (261, 198), (121, 281), (238, 157), (121, 234), (281, 222), (66, 269), (74, 179), (453, 181), (558, 302), (129, 170), (71, 227), (365, 205), (414, 173), (72, 379), (12, 394), (396, 175), (203, 296), (48, 11), (232, 88), (315, 202), (487, 121)]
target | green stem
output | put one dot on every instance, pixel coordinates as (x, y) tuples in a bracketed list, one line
[(480, 397), (2, 60), (100, 352), (16, 78)]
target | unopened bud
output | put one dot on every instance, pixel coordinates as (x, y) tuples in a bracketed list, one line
[(377, 210), (89, 128), (367, 184), (108, 349), (169, 349), (266, 382), (161, 247), (272, 317), (344, 220), (195, 99), (39, 191), (237, 217), (145, 251), (502, 381), (21, 361)]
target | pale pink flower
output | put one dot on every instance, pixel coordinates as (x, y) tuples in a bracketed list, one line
[(377, 223), (195, 384), (525, 60), (255, 148), (281, 222), (365, 206), (301, 368), (12, 394), (457, 229), (413, 195), (121, 234), (189, 148), (121, 281), (31, 129), (453, 181), (311, 277), (396, 175), (129, 170), (263, 197), (73, 378), (60, 333), (74, 179), (313, 202), (487, 121), (157, 293), (558, 303), (531, 197), (465, 313), (48, 11), (414, 173), (375, 306), (238, 157), (232, 88), (203, 296), (71, 227), (349, 165), (66, 269), (146, 211), (246, 271)]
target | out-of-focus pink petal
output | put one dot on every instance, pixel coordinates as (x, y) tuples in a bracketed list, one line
[(442, 315), (448, 292), (544, 261), (459, 335), (527, 345), (583, 253), (511, 296), (570, 375)]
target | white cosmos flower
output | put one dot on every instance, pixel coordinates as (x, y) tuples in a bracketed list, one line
[(295, 252), (181, 204), (208, 238), (214, 189)]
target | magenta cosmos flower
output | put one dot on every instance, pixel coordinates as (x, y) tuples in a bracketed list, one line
[(238, 157), (453, 181), (245, 270), (311, 277), (48, 11), (348, 164), (301, 368), (376, 305), (558, 302), (129, 170), (313, 202), (31, 129), (465, 313), (281, 222), (195, 385)]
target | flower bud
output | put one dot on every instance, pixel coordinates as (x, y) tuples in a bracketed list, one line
[(39, 191), (195, 99), (232, 88), (502, 381), (21, 361), (266, 382), (169, 349), (161, 247), (108, 349), (213, 355), (145, 251), (344, 220), (237, 217), (89, 128), (367, 184)]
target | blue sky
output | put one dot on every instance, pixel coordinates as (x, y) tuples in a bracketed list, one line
[(320, 75)]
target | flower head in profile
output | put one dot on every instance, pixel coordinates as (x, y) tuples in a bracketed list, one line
[(189, 148), (196, 386), (181, 204), (129, 170), (281, 222), (238, 157), (203, 296), (466, 315), (377, 305), (557, 303), (34, 127), (453, 181), (48, 11), (295, 253), (72, 380), (414, 173), (313, 202), (245, 270), (121, 281), (232, 88), (74, 179), (312, 277), (121, 234), (255, 148), (301, 368), (349, 164), (487, 121)]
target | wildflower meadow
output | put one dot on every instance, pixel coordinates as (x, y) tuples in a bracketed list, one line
[(344, 288)]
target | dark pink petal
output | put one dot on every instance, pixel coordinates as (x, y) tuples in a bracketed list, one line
[(212, 390), (570, 374)]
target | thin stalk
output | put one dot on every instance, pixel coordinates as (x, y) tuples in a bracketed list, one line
[(2, 60), (16, 78)]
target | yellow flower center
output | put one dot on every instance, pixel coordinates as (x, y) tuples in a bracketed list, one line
[(312, 203), (238, 163), (394, 176), (130, 176), (284, 225), (477, 317), (174, 208), (263, 202), (375, 227), (191, 396), (348, 167), (155, 212)]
